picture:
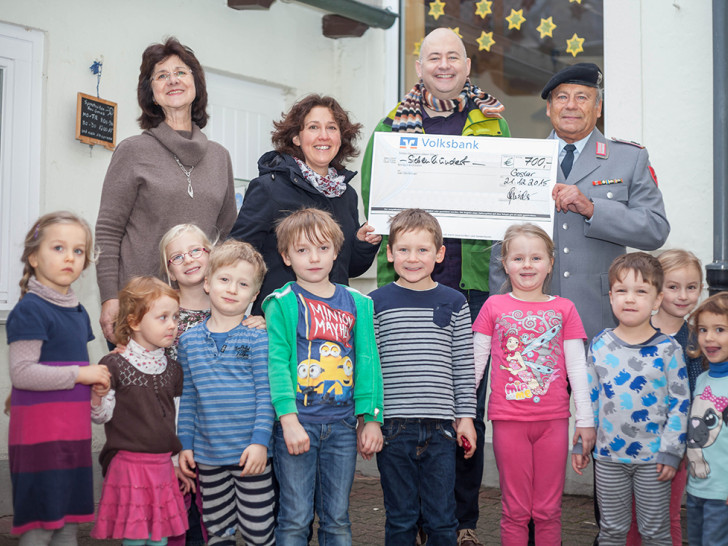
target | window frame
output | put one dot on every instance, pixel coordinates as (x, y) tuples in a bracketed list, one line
[(20, 150)]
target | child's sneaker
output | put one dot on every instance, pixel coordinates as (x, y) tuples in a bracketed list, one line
[(467, 537)]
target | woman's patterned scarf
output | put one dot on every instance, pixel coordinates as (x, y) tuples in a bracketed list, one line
[(408, 118), (331, 185)]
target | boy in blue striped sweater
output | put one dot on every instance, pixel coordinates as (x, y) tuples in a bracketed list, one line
[(226, 416)]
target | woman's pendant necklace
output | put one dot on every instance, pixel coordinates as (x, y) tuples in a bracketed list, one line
[(188, 174)]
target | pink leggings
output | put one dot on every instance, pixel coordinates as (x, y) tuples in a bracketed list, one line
[(531, 460), (677, 488)]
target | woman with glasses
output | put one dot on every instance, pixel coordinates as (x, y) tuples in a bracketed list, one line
[(168, 175), (306, 169)]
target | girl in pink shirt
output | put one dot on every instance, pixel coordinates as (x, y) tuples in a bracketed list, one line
[(536, 343)]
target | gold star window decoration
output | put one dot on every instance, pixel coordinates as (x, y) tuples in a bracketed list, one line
[(484, 8), (575, 45), (486, 41), (416, 51), (546, 28), (437, 8), (515, 19)]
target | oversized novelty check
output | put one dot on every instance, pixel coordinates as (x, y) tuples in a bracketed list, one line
[(475, 186)]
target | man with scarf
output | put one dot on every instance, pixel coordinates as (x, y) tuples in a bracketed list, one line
[(445, 102)]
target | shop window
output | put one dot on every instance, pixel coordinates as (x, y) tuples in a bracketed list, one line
[(515, 46)]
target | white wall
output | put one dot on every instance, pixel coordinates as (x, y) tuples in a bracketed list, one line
[(659, 91), (282, 46)]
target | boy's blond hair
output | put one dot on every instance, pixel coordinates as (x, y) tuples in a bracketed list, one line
[(315, 225), (413, 220), (230, 253), (637, 262)]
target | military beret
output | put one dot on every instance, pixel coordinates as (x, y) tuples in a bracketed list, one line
[(581, 73)]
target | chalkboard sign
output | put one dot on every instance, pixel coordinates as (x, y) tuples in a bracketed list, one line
[(96, 121)]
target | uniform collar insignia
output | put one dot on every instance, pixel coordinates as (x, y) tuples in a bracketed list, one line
[(602, 151)]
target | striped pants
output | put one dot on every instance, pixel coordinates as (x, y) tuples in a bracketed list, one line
[(616, 483), (231, 501)]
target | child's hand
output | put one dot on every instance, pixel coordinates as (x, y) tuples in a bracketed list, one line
[(118, 349), (95, 398), (665, 472), (187, 463), (368, 438), (101, 390), (185, 484), (464, 428), (588, 437), (254, 321), (579, 462), (91, 375), (253, 460), (296, 437)]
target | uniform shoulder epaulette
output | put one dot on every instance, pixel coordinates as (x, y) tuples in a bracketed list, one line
[(630, 142)]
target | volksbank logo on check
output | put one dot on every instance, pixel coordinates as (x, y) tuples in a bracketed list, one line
[(418, 143), (408, 142)]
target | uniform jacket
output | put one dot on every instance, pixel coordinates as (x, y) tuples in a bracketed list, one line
[(628, 211), (281, 309), (475, 254), (281, 189)]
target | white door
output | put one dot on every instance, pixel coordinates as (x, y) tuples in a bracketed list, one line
[(241, 119)]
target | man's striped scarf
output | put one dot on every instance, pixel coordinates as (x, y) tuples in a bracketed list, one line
[(408, 118)]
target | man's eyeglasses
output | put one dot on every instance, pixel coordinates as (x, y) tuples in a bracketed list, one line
[(178, 259)]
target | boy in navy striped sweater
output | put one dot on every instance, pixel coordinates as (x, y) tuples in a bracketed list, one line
[(426, 348), (226, 416)]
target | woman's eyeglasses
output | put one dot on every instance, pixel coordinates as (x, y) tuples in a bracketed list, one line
[(178, 259), (164, 76)]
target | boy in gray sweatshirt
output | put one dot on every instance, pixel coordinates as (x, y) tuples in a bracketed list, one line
[(640, 395)]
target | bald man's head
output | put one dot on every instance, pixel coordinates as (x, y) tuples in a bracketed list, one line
[(443, 65)]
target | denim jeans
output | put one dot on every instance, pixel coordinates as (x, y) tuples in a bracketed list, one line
[(707, 522), (325, 472), (417, 472)]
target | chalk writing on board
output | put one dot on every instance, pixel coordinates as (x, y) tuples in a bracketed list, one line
[(96, 121)]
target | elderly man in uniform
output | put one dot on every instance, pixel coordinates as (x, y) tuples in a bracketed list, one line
[(606, 197), (445, 102)]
